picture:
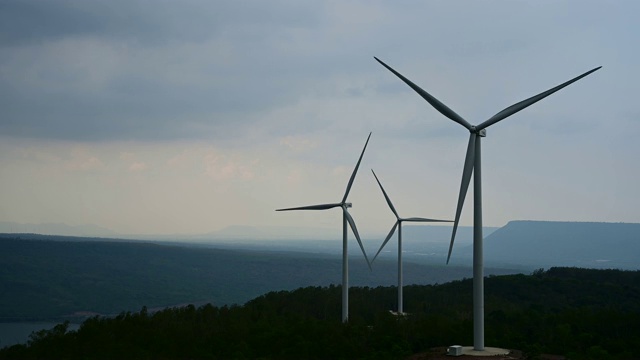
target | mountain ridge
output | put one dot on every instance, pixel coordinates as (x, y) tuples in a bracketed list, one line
[(564, 243)]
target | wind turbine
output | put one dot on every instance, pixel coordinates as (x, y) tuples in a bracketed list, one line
[(398, 224), (346, 218), (472, 165)]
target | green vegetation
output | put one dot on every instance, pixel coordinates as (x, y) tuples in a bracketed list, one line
[(580, 313)]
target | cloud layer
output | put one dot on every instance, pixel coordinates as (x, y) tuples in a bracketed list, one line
[(164, 117)]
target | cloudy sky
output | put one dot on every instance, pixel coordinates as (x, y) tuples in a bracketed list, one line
[(161, 117)]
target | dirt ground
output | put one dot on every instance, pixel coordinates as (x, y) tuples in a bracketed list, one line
[(440, 353)]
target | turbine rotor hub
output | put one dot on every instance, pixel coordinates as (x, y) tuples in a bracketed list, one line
[(481, 132)]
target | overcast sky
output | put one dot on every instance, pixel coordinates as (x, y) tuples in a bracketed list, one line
[(160, 117)]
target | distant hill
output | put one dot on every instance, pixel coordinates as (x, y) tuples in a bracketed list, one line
[(429, 233), (550, 243), (247, 232), (440, 234), (524, 244), (56, 229), (422, 244)]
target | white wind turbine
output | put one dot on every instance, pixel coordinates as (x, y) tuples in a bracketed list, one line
[(346, 218), (398, 224), (472, 165)]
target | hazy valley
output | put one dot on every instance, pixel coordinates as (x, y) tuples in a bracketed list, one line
[(45, 276), (56, 278)]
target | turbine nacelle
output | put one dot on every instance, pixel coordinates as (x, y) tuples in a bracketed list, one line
[(481, 132)]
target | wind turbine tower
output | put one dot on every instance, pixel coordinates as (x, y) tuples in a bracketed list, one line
[(346, 218), (472, 164), (398, 224)]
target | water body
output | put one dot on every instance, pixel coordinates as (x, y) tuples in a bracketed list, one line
[(18, 332)]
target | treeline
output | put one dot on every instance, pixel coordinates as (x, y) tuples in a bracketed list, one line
[(579, 313)]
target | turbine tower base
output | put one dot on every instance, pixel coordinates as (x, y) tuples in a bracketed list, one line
[(488, 351)]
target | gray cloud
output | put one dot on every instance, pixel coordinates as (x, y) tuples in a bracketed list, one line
[(232, 101), (148, 70), (145, 22)]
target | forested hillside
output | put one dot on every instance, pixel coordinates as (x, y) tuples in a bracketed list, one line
[(579, 313)]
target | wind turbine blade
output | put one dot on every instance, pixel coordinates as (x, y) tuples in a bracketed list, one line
[(355, 232), (386, 196), (355, 171), (442, 108), (464, 185), (530, 101), (419, 219), (386, 240), (312, 207)]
